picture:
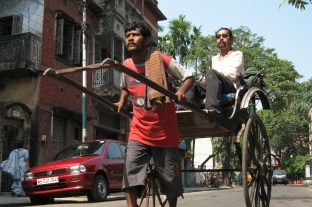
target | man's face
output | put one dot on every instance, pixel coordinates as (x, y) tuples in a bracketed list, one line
[(135, 42), (223, 39)]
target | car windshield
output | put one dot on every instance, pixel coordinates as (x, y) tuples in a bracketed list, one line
[(279, 172), (82, 149)]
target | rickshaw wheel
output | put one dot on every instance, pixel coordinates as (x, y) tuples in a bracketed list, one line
[(256, 163), (151, 189)]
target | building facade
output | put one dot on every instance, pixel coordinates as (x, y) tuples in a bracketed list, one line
[(39, 34)]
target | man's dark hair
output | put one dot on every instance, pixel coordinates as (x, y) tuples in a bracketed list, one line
[(20, 145), (224, 28), (145, 31)]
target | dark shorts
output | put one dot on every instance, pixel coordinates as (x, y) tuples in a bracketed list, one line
[(168, 165)]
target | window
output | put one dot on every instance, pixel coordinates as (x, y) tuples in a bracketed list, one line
[(11, 25), (77, 133), (100, 53), (68, 41), (113, 151)]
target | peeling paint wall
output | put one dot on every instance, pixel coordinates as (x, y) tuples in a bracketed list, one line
[(24, 89)]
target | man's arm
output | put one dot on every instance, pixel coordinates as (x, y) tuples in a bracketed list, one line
[(123, 97), (178, 72), (123, 94), (187, 84)]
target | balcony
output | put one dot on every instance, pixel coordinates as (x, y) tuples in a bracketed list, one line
[(106, 83), (20, 53)]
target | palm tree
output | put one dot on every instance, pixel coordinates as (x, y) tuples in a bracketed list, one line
[(164, 44), (179, 30), (194, 43)]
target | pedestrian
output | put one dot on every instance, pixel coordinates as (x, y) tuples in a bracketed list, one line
[(15, 166), (154, 129)]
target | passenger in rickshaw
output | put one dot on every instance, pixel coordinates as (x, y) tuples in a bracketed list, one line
[(222, 75)]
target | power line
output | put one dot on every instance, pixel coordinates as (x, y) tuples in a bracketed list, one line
[(22, 9)]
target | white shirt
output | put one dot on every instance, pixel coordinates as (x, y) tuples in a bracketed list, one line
[(230, 65)]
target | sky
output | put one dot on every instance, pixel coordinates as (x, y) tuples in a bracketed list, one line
[(286, 29)]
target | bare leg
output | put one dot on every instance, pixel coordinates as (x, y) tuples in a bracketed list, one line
[(172, 201), (131, 196)]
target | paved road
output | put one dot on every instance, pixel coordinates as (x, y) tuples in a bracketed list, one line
[(282, 196)]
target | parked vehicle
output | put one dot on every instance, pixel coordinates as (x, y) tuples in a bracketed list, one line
[(279, 177), (92, 168)]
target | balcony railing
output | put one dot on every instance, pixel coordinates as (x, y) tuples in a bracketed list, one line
[(20, 52), (106, 82)]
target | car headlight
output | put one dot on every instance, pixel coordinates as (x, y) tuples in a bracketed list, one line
[(28, 176), (77, 169)]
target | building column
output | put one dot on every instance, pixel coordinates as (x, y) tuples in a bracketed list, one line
[(123, 51), (112, 46)]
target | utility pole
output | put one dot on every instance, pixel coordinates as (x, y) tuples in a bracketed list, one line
[(84, 73)]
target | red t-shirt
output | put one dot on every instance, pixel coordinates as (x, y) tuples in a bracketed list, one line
[(156, 127)]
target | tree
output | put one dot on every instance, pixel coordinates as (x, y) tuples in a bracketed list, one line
[(201, 53), (194, 40), (179, 35), (294, 166), (252, 47), (299, 4), (280, 75), (164, 44), (288, 129)]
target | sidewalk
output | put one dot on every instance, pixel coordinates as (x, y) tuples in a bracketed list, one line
[(7, 200)]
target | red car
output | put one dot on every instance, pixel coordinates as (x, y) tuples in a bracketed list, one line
[(93, 168)]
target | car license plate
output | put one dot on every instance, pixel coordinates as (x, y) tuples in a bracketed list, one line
[(43, 181), (279, 180)]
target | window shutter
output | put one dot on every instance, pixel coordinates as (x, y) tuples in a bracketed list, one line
[(77, 47), (98, 54), (71, 42), (59, 36), (17, 24)]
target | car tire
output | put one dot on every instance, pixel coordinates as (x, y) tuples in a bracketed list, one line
[(38, 200), (99, 191)]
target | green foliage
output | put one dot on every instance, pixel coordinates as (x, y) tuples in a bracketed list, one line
[(295, 167), (221, 157), (306, 92), (179, 30), (286, 127), (281, 77), (200, 53), (189, 145), (252, 47), (299, 4)]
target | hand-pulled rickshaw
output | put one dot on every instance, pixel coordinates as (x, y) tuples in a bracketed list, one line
[(251, 139)]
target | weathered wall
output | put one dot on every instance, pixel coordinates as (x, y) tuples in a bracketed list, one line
[(21, 88), (32, 12)]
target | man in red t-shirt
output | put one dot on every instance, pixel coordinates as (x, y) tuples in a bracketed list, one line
[(153, 132)]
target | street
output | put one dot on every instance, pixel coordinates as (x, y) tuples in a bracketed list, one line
[(282, 196)]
